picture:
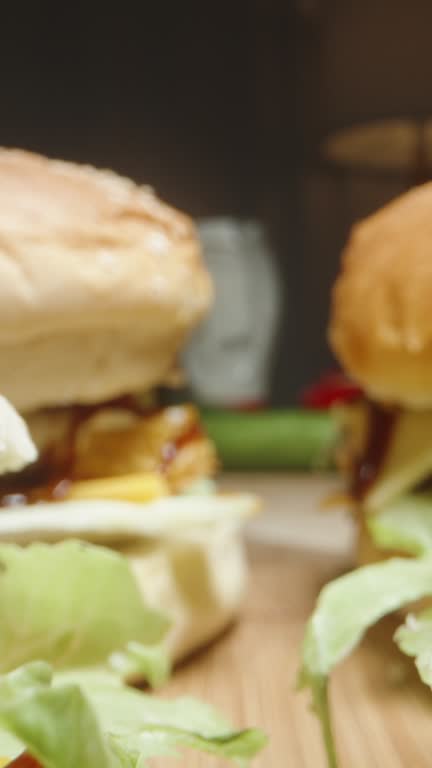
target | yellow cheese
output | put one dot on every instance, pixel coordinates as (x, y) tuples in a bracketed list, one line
[(408, 460), (4, 761), (137, 487)]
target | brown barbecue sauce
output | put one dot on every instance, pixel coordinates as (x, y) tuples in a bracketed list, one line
[(50, 477), (381, 423)]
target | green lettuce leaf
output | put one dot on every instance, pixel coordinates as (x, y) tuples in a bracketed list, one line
[(70, 604), (148, 662), (90, 719), (345, 609), (42, 719), (204, 486), (414, 638), (405, 525)]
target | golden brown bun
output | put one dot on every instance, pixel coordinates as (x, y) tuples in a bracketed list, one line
[(99, 283), (381, 321)]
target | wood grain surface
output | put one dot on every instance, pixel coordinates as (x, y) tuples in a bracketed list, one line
[(383, 715)]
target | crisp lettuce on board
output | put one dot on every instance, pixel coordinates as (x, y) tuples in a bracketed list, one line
[(86, 719), (404, 525), (70, 604), (414, 638), (78, 609), (345, 609)]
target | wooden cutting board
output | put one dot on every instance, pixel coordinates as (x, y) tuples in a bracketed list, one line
[(383, 715)]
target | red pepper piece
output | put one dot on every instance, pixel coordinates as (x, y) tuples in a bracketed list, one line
[(331, 388)]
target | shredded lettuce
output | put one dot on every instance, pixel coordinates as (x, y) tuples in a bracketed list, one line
[(88, 720), (78, 609), (345, 609), (405, 525), (414, 639), (42, 719), (204, 486), (71, 604), (142, 662)]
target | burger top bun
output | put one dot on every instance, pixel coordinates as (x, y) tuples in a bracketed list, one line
[(100, 282), (381, 318)]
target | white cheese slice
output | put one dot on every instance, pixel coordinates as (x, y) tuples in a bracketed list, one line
[(109, 522)]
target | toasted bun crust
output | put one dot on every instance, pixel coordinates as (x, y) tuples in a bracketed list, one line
[(381, 320), (99, 283)]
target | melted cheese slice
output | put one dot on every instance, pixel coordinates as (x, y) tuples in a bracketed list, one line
[(408, 460), (139, 487)]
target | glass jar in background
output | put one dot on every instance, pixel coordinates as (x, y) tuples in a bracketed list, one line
[(229, 358)]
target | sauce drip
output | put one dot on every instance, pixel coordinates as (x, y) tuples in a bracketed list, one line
[(381, 422), (171, 449), (421, 172), (50, 477)]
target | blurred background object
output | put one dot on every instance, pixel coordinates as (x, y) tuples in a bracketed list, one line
[(398, 145), (302, 115), (282, 439), (230, 356)]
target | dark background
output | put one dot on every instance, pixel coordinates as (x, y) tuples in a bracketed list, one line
[(222, 108)]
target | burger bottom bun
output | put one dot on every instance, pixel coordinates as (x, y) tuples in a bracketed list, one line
[(187, 553), (198, 579)]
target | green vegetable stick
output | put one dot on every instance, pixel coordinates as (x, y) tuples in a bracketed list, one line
[(277, 439)]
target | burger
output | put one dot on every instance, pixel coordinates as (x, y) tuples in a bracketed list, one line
[(101, 284), (381, 332), (74, 627)]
